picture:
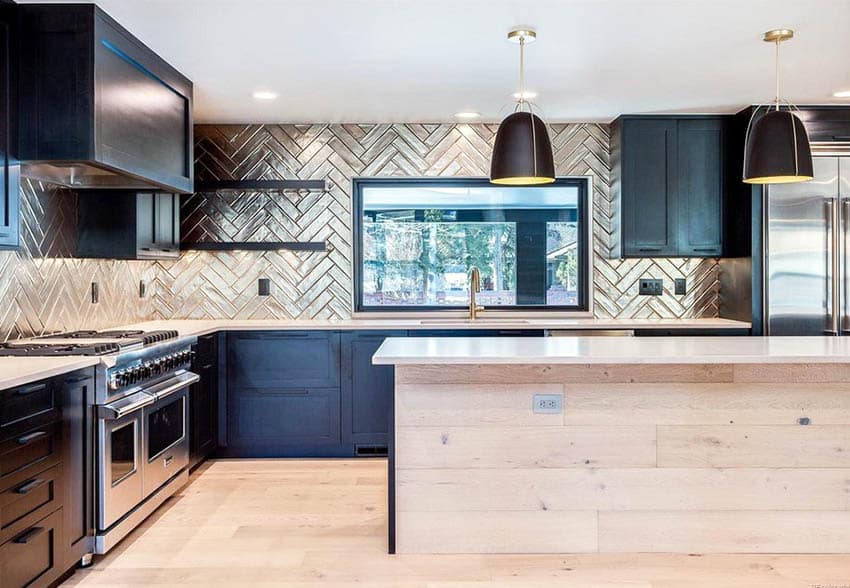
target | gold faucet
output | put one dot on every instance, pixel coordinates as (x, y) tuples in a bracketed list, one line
[(474, 286)]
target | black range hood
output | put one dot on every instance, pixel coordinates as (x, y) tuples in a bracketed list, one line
[(99, 109)]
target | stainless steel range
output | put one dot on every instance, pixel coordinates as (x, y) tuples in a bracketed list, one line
[(141, 403)]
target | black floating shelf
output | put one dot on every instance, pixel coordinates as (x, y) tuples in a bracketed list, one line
[(257, 246), (260, 185)]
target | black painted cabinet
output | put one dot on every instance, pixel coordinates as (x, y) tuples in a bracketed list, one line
[(283, 394), (203, 401), (367, 392), (93, 94), (76, 395), (9, 165), (669, 174), (128, 225)]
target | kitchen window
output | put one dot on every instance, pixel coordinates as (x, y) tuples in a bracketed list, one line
[(415, 241)]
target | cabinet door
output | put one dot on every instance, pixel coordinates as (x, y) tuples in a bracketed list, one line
[(9, 167), (203, 401), (367, 389), (649, 187), (167, 222), (701, 184), (145, 223), (76, 397), (284, 359)]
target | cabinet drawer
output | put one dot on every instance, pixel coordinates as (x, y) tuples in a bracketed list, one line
[(33, 557), (34, 449), (284, 359), (26, 402), (286, 418), (25, 503)]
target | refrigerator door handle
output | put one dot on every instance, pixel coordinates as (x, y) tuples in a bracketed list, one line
[(842, 275), (835, 235)]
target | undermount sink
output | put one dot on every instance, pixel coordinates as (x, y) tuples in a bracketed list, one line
[(455, 321)]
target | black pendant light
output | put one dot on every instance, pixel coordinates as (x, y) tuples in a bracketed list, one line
[(522, 153), (776, 149)]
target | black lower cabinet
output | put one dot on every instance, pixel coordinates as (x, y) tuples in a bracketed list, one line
[(367, 392), (203, 401), (76, 396), (46, 476)]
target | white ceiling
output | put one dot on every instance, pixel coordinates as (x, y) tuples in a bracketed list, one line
[(423, 60)]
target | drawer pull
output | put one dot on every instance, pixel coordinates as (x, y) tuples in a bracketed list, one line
[(31, 437), (30, 389), (650, 249), (77, 380), (29, 486), (27, 536)]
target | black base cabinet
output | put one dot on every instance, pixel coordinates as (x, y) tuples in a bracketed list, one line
[(203, 401), (46, 476)]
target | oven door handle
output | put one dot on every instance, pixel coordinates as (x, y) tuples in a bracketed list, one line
[(173, 385), (117, 410)]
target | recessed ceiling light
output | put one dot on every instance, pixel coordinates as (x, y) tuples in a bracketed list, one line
[(265, 95), (526, 95), (467, 114), (842, 94)]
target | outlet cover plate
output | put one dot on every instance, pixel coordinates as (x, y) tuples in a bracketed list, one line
[(650, 287), (548, 403), (681, 286)]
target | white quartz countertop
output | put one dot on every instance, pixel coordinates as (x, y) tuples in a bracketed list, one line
[(612, 350), (16, 371), (195, 327)]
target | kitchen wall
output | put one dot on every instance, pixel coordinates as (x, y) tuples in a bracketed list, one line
[(43, 288)]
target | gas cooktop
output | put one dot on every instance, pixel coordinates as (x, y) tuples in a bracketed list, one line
[(85, 342)]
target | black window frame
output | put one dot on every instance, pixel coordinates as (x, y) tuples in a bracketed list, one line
[(583, 244)]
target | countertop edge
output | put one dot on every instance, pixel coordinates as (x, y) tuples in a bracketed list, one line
[(34, 373)]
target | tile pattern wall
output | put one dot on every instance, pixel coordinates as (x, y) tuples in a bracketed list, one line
[(44, 288), (309, 285)]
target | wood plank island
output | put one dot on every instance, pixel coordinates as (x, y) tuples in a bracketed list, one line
[(703, 445)]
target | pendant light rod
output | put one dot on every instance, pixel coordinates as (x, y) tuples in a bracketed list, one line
[(521, 70), (777, 36)]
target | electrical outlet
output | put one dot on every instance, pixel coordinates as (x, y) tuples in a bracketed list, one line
[(680, 286), (264, 287), (548, 403), (95, 294), (650, 287), (143, 289)]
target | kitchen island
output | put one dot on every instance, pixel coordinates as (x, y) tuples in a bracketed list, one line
[(577, 445)]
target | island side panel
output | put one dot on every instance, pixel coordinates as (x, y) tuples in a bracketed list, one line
[(635, 459)]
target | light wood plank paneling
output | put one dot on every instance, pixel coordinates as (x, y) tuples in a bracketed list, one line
[(624, 489), (706, 404), (473, 405), (725, 532), (563, 373), (731, 446), (503, 532), (787, 372), (525, 447)]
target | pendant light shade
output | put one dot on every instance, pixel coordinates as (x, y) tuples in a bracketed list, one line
[(522, 154), (777, 150)]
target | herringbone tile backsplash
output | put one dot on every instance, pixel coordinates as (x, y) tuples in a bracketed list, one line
[(43, 288)]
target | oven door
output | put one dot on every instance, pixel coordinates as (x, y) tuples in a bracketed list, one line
[(166, 431), (120, 459)]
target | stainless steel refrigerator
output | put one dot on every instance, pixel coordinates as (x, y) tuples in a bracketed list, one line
[(807, 245)]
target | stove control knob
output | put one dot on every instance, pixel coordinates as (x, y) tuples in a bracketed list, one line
[(113, 381)]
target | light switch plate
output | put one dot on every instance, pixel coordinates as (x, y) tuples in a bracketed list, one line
[(680, 286), (548, 403), (650, 287)]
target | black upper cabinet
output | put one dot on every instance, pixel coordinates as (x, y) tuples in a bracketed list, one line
[(128, 225), (95, 96), (669, 174), (9, 166)]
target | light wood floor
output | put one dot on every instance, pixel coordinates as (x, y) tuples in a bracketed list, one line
[(298, 523)]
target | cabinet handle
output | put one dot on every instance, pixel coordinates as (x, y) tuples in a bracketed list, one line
[(650, 249), (30, 389), (26, 536), (29, 486), (706, 249), (31, 437), (77, 380)]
